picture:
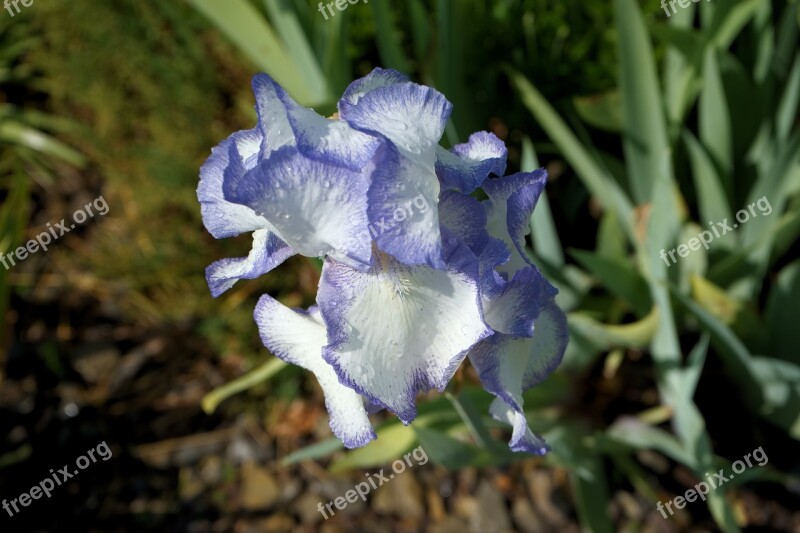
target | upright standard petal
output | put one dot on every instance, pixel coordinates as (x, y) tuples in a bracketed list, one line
[(400, 227), (297, 337), (317, 209), (466, 166), (379, 77), (273, 118), (509, 208), (508, 366), (412, 118), (397, 330)]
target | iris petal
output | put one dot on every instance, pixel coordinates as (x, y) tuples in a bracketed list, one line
[(221, 217), (297, 337), (314, 207), (397, 330), (508, 366), (466, 166), (511, 203), (268, 252), (412, 118)]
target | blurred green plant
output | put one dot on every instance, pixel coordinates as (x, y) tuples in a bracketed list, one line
[(731, 158), (705, 109), (27, 143)]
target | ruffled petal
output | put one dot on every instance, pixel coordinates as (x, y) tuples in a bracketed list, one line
[(466, 166), (402, 209), (297, 337), (236, 154), (522, 438), (511, 307), (273, 118), (379, 77), (268, 252), (549, 342), (465, 217), (315, 208), (412, 118), (511, 203), (396, 330), (507, 365)]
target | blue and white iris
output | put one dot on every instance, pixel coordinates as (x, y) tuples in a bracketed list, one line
[(398, 310)]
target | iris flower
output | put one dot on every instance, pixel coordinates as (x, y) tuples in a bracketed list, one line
[(418, 274)]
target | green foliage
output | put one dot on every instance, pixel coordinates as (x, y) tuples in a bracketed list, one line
[(664, 125), (672, 100)]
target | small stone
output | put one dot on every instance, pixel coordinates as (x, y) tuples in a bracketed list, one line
[(259, 489)]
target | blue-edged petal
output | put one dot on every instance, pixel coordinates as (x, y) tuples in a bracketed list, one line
[(512, 306), (522, 438), (379, 77), (402, 209), (466, 166), (410, 115), (268, 252), (412, 118), (284, 122), (398, 330), (316, 208), (273, 118), (465, 217), (549, 342), (236, 154), (507, 365), (298, 337), (509, 209)]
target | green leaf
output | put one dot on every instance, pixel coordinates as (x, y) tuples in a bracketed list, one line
[(645, 142), (392, 54), (445, 450), (736, 357), (715, 124), (635, 335), (394, 439), (781, 313), (603, 111), (315, 451), (244, 25), (295, 40), (594, 177), (711, 195), (251, 379), (781, 385), (17, 133), (619, 277), (546, 243)]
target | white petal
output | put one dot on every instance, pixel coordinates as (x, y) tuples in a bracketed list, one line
[(297, 337), (314, 207), (396, 330)]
